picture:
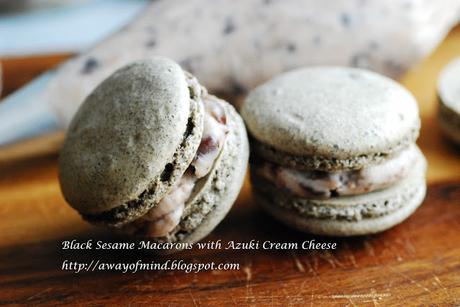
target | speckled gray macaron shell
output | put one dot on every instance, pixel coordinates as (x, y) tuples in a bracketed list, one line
[(449, 98), (449, 85), (345, 228), (124, 135), (332, 113), (215, 194), (347, 216), (449, 121)]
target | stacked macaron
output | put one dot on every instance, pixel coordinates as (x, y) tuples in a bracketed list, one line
[(449, 98), (151, 153), (333, 150)]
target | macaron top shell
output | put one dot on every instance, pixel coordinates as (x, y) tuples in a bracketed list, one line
[(124, 135), (332, 112), (449, 86)]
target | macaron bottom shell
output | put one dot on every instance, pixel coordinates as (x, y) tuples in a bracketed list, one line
[(449, 100), (449, 122), (349, 215)]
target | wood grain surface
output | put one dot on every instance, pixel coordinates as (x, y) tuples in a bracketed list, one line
[(415, 263)]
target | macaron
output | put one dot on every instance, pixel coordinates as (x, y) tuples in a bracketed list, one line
[(449, 100), (333, 150), (152, 154)]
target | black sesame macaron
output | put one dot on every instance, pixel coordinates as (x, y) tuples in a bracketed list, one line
[(152, 154), (333, 150)]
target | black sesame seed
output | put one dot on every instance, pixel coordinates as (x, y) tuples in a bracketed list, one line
[(395, 68), (237, 88), (151, 43), (291, 47), (360, 60), (229, 26), (90, 65)]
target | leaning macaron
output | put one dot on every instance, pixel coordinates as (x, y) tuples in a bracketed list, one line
[(333, 150), (152, 154), (449, 100)]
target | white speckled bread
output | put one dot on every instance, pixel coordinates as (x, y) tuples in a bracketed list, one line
[(232, 46), (135, 153), (334, 150)]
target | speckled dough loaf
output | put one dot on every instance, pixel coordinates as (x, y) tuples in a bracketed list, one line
[(231, 46)]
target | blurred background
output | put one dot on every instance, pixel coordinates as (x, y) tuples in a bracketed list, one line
[(35, 35), (53, 53)]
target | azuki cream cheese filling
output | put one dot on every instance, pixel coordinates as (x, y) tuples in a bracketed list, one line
[(320, 184), (166, 215)]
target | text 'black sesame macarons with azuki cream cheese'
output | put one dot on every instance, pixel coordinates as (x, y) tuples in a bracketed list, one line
[(151, 153), (333, 150)]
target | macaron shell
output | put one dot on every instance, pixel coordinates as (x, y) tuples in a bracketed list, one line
[(215, 194), (124, 136), (344, 228), (449, 86), (332, 112), (322, 163), (449, 122), (161, 184), (351, 215), (449, 99)]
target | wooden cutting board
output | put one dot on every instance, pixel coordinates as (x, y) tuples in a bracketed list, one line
[(416, 263)]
